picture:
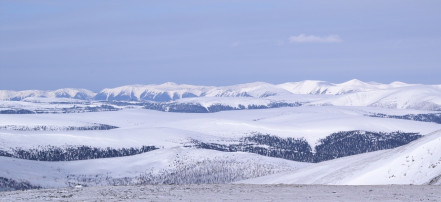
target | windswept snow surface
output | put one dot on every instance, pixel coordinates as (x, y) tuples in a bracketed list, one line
[(416, 163), (230, 192)]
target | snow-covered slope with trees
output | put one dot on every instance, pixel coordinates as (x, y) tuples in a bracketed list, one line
[(166, 166), (416, 163)]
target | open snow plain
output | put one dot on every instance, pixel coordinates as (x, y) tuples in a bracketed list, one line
[(309, 132), (228, 192)]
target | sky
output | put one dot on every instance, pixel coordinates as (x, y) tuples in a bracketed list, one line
[(101, 44)]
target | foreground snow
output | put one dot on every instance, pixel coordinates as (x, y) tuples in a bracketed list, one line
[(230, 193)]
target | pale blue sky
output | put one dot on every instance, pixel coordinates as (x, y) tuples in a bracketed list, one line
[(98, 44)]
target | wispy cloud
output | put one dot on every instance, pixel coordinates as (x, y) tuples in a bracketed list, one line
[(303, 38)]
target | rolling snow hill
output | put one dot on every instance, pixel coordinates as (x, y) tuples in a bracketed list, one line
[(352, 86), (167, 166), (416, 163), (163, 92)]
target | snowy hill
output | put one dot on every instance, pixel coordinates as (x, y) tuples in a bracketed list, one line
[(256, 90), (156, 167), (416, 163), (405, 97), (163, 92), (172, 91), (352, 86), (81, 94)]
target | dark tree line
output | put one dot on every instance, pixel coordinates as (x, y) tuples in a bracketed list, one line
[(159, 106), (266, 145), (198, 108), (336, 145), (126, 103), (7, 184), (74, 109), (433, 117), (16, 111), (146, 96), (77, 109), (348, 143), (56, 128), (72, 153)]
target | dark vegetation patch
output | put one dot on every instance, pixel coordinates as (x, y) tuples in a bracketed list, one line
[(16, 111), (72, 153), (57, 128), (266, 145), (432, 117), (198, 108), (347, 143), (159, 106), (74, 109), (336, 145), (7, 184)]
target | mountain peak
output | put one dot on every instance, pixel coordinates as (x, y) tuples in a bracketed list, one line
[(354, 82), (169, 84)]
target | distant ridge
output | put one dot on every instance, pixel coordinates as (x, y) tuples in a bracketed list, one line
[(351, 93), (82, 94), (172, 91)]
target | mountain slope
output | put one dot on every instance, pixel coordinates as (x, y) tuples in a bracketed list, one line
[(172, 91), (81, 94), (164, 166), (416, 163), (322, 87), (351, 93), (407, 97), (163, 92)]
